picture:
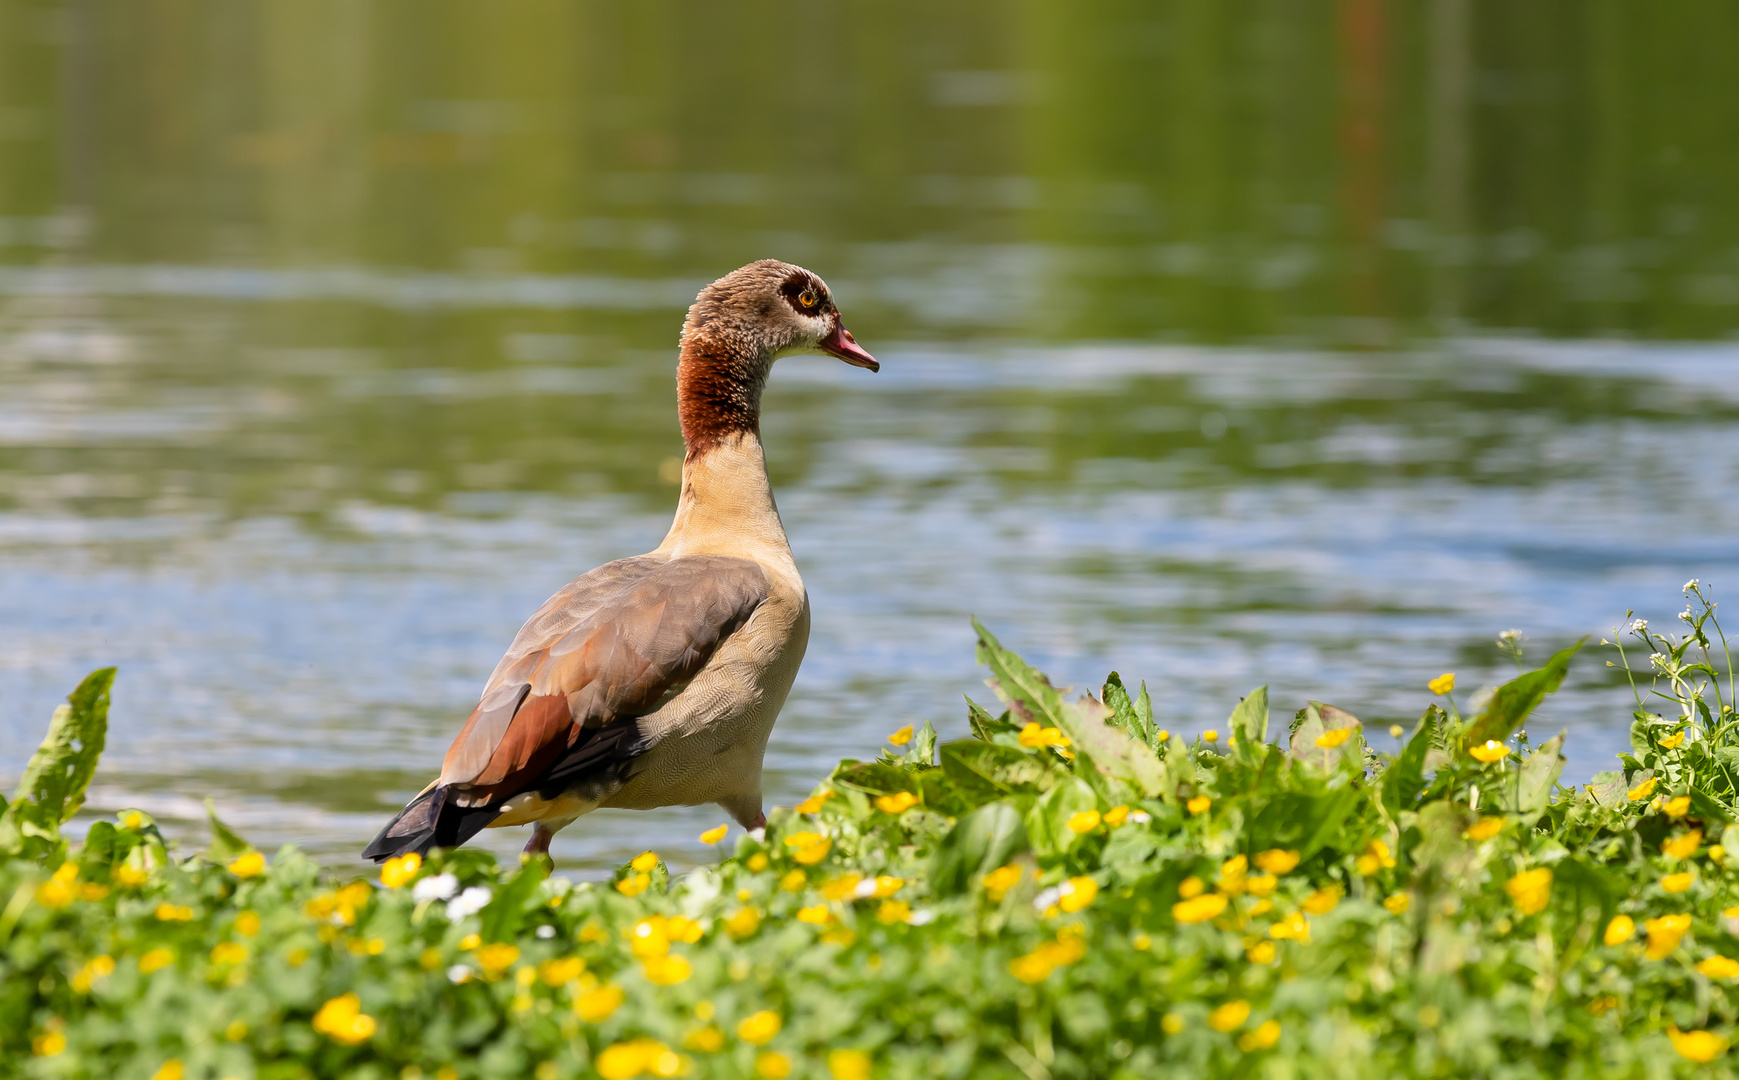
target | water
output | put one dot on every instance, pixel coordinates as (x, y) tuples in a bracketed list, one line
[(1308, 344)]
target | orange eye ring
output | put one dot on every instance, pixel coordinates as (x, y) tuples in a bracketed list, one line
[(808, 298)]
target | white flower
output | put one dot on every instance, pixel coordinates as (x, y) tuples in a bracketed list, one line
[(458, 973), (545, 932), (1640, 626), (1140, 817), (1659, 661), (1691, 584), (439, 887), (1685, 615), (1048, 898), (866, 887), (469, 902), (921, 918)]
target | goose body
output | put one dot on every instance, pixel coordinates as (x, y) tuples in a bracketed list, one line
[(655, 680)]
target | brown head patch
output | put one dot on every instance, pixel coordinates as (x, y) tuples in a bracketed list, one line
[(806, 294)]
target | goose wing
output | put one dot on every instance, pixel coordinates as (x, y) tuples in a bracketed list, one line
[(611, 646)]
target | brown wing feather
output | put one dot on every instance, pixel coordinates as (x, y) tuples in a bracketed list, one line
[(610, 646)]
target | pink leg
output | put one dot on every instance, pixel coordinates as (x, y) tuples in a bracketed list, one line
[(760, 822), (539, 842)]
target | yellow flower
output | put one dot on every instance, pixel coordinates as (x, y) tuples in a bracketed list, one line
[(666, 970), (399, 872), (714, 834), (97, 967), (1719, 967), (1261, 884), (887, 886), (470, 941), (1717, 854), (561, 971), (1211, 735), (810, 854), (1277, 861), (1332, 739), (1199, 909), (708, 1039), (1678, 883), (1000, 880), (634, 884), (1163, 736), (648, 937), (1619, 930), (1032, 736), (902, 736), (1230, 1016), (1677, 807), (252, 864), (130, 876), (757, 862), (840, 936), (623, 1061), (342, 1020), (772, 1064), (1084, 822), (1116, 816), (169, 1070), (813, 804), (173, 913), (1037, 965), (1673, 741), (893, 911), (645, 862), (1484, 829), (235, 1031), (1398, 903), (1664, 934), (841, 888), (1077, 893), (48, 1044), (1489, 751), (1322, 901), (1199, 804), (1530, 889), (759, 1029), (1264, 1037), (156, 958), (597, 1004), (228, 952), (743, 923), (848, 1065), (1291, 928), (1642, 790), (1141, 942), (59, 891), (1375, 858), (1442, 684), (1171, 1023), (897, 803), (1698, 1046), (819, 915), (1260, 953), (495, 958)]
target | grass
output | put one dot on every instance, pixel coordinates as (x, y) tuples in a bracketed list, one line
[(1070, 893)]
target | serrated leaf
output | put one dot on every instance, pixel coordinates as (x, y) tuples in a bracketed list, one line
[(1111, 750), (54, 782), (1512, 702), (1249, 721)]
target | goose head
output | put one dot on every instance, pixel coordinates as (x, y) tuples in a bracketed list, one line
[(770, 309)]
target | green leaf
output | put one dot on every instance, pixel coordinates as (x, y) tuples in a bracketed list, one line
[(875, 777), (54, 782), (1003, 769), (1133, 716), (504, 912), (1314, 722), (985, 726), (1538, 773), (980, 842), (1514, 700), (1047, 823), (1249, 722), (225, 844), (1607, 789), (1029, 694), (1404, 779)]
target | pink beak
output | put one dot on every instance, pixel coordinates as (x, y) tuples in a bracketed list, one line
[(840, 343)]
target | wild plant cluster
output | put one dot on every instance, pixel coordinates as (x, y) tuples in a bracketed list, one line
[(1073, 892)]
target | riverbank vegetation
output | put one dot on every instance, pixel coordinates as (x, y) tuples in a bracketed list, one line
[(1073, 892)]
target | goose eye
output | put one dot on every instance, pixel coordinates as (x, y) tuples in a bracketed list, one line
[(808, 298)]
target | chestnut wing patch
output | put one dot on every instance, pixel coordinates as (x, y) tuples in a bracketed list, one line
[(611, 646)]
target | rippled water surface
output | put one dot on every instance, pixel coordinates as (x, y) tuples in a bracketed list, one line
[(1306, 345)]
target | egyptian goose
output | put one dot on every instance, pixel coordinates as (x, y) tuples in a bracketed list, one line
[(655, 680)]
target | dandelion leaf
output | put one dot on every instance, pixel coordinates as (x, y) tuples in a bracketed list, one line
[(1249, 721), (1002, 769), (1511, 703), (54, 782)]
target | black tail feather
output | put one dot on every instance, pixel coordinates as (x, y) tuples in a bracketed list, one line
[(430, 820)]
